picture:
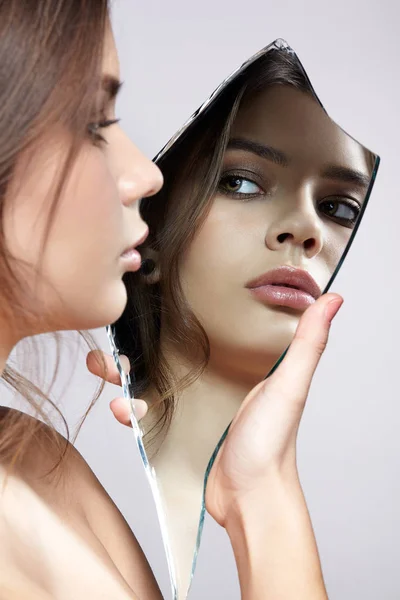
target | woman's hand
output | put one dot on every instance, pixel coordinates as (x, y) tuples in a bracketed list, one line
[(262, 438)]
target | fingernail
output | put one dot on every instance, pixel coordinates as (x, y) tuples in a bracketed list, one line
[(332, 308)]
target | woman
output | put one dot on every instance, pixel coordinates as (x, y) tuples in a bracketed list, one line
[(256, 188), (69, 188), (70, 182)]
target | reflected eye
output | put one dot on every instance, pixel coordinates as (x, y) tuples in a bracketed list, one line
[(342, 210), (236, 185)]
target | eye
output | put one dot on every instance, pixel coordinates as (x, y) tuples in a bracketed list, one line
[(94, 130), (239, 186), (342, 210)]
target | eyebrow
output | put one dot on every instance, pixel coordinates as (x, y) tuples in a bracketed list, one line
[(336, 172), (346, 175), (262, 150), (111, 85)]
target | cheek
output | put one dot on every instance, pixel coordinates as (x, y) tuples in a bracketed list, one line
[(27, 206), (336, 239), (90, 205), (220, 255), (86, 228)]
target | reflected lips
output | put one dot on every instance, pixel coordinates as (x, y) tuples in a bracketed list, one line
[(285, 286)]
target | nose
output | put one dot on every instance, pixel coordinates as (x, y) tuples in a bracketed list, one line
[(138, 176), (300, 227)]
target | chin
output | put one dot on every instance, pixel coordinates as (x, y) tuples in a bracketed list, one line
[(257, 352), (107, 308), (114, 308), (280, 324)]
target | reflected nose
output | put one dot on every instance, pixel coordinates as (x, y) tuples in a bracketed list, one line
[(301, 228), (138, 177)]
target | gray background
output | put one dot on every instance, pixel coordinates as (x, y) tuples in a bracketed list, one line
[(173, 54)]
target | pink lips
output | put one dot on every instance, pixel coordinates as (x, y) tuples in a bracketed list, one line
[(131, 256), (132, 259), (285, 286)]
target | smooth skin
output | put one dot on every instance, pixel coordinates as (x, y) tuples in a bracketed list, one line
[(253, 489)]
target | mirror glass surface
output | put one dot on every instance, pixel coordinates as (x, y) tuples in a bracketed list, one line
[(262, 198)]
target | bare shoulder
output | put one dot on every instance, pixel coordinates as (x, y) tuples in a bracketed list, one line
[(17, 541), (43, 557), (71, 498), (47, 462)]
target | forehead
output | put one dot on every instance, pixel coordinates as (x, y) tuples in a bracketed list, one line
[(293, 122), (110, 63)]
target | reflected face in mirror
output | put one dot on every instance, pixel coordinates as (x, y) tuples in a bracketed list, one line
[(261, 196), (290, 191)]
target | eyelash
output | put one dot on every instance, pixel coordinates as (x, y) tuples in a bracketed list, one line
[(244, 176), (350, 203), (93, 130)]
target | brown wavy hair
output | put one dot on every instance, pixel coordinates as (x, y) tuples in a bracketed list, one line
[(50, 70), (191, 169)]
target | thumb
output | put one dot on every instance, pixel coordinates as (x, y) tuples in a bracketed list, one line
[(294, 375)]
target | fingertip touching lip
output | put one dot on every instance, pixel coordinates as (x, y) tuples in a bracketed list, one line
[(287, 276)]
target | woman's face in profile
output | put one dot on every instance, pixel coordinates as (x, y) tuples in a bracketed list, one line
[(97, 217), (291, 189)]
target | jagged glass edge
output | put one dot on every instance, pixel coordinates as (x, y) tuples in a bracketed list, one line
[(278, 44), (149, 470)]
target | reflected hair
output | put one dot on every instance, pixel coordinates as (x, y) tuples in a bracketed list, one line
[(50, 69), (192, 169)]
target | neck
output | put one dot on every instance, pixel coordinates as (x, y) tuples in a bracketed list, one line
[(203, 412)]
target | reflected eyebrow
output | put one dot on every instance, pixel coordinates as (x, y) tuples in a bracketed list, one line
[(347, 175), (268, 152), (111, 85), (278, 157)]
